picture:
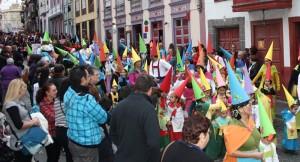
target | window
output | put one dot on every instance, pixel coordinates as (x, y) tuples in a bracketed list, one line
[(84, 29), (107, 3), (83, 7), (181, 30), (120, 2), (91, 6), (157, 29), (77, 12)]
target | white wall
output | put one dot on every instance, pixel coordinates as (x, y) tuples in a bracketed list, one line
[(222, 10)]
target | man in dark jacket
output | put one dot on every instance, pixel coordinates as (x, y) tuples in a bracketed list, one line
[(134, 125)]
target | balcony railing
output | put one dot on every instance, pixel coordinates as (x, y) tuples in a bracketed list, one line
[(252, 5), (57, 10)]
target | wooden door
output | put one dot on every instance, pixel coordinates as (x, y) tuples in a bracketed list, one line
[(229, 36)]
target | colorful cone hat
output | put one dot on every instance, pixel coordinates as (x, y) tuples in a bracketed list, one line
[(135, 56), (73, 59), (269, 55), (237, 92), (178, 92), (198, 93), (46, 37), (268, 72), (68, 48), (166, 83), (102, 54), (220, 81), (95, 37), (179, 65), (97, 62), (83, 43), (204, 82), (125, 53), (189, 49), (215, 63), (290, 100), (223, 106), (248, 84), (226, 53), (114, 83), (200, 60), (265, 123), (105, 48), (29, 51), (146, 66), (61, 51), (209, 47), (143, 48), (153, 49), (81, 61)]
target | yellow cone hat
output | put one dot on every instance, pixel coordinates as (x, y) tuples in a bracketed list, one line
[(135, 56), (105, 48), (114, 83), (223, 106), (290, 100), (215, 63), (205, 86), (125, 53), (269, 55)]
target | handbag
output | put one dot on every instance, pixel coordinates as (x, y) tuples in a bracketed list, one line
[(34, 140)]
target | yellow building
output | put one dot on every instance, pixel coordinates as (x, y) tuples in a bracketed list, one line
[(86, 19)]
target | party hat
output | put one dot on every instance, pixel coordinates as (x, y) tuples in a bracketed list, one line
[(204, 82), (95, 37), (247, 82), (92, 58), (68, 48), (198, 93), (143, 48), (102, 54), (232, 62), (223, 106), (220, 81), (73, 59), (126, 67), (77, 40), (178, 92), (226, 53), (97, 62), (46, 37), (179, 65), (183, 57), (166, 83), (290, 100), (114, 83), (268, 72), (200, 60), (163, 56), (209, 47), (29, 51), (269, 55), (189, 49), (146, 66), (61, 51), (215, 63), (125, 53), (83, 43), (105, 48), (81, 61), (135, 56), (153, 49), (237, 92), (265, 123)]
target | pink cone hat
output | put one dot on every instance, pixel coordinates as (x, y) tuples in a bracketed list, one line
[(220, 80)]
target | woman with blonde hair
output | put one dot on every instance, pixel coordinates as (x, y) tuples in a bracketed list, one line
[(17, 116)]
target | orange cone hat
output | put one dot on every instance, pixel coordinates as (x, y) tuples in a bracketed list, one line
[(68, 48), (209, 47), (102, 54), (153, 49)]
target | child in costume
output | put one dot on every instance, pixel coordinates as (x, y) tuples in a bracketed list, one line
[(268, 133), (290, 136), (176, 113), (114, 95)]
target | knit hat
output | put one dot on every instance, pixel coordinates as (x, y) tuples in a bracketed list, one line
[(10, 61), (166, 83), (265, 123), (237, 92), (269, 55)]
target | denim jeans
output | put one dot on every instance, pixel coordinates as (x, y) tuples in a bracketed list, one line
[(83, 154)]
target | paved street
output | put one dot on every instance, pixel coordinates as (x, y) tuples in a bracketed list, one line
[(278, 125)]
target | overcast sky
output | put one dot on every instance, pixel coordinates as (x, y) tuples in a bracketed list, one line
[(6, 3)]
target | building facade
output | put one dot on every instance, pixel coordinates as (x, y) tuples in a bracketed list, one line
[(29, 15), (56, 18), (68, 10), (44, 7), (10, 19), (169, 21)]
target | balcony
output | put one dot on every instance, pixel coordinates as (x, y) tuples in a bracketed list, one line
[(253, 5), (55, 11)]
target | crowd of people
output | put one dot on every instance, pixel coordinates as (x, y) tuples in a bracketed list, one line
[(145, 103)]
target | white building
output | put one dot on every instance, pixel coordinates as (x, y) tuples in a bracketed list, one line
[(11, 19), (44, 8)]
